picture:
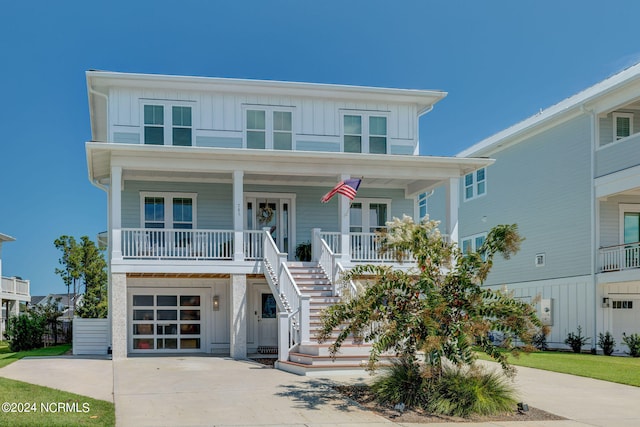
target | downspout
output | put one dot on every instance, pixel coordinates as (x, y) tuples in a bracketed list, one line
[(594, 237), (106, 101)]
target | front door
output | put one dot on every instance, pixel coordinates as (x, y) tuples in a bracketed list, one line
[(274, 213), (267, 320)]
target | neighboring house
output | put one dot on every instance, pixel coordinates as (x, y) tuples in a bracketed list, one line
[(213, 183), (65, 303), (570, 178), (13, 291)]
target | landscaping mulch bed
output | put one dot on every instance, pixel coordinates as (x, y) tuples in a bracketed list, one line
[(363, 396)]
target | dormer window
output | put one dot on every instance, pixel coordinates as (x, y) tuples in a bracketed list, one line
[(167, 125), (622, 125)]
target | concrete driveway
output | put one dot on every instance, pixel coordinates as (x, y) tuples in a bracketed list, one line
[(198, 391), (210, 391)]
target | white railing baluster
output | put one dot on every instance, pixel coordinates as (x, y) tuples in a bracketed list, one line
[(140, 243), (619, 257)]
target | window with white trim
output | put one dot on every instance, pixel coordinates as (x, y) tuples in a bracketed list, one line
[(622, 125), (167, 124), (364, 133), (168, 210), (422, 205), (268, 128), (472, 243), (475, 184), (368, 215)]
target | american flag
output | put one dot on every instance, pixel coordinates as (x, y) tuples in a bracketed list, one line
[(347, 188)]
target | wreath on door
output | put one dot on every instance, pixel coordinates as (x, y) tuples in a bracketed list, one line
[(265, 214)]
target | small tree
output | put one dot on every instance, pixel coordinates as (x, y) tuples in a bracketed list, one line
[(607, 343), (84, 264), (576, 341), (440, 308), (94, 276)]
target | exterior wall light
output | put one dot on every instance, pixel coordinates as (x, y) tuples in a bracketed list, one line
[(216, 303)]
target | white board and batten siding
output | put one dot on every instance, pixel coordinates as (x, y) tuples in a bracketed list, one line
[(218, 119), (90, 336)]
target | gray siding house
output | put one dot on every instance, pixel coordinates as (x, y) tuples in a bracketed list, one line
[(570, 178)]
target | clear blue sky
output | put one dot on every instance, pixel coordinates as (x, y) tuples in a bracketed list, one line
[(500, 62)]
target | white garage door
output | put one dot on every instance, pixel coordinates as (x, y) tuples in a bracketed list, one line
[(625, 318), (166, 322)]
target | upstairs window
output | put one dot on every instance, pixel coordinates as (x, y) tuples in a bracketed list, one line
[(364, 133), (154, 124), (622, 125), (167, 125), (269, 129), (475, 184)]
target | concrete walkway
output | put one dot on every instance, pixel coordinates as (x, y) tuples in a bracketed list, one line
[(209, 391)]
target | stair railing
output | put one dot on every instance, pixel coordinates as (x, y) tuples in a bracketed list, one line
[(333, 269), (293, 321)]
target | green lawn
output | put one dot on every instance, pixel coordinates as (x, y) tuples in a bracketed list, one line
[(624, 370), (7, 357), (33, 405)]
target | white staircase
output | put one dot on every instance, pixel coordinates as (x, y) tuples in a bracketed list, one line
[(313, 358)]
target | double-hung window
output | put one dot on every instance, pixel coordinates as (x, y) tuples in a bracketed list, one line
[(368, 215), (475, 184), (269, 128), (364, 133), (622, 125), (473, 243), (168, 210), (166, 124)]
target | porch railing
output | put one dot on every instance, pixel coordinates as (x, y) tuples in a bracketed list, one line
[(15, 286), (177, 243), (620, 257), (332, 240), (253, 244), (366, 247)]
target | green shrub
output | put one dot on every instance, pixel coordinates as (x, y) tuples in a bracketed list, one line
[(404, 382), (462, 394), (303, 251), (607, 343), (633, 342), (576, 341), (25, 332), (539, 341)]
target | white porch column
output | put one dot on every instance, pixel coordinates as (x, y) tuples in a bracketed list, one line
[(119, 331), (238, 217), (238, 310), (116, 212), (453, 202), (345, 224)]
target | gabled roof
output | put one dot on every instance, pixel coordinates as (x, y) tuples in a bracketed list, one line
[(564, 110)]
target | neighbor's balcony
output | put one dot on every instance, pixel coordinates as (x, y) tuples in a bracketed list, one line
[(14, 286), (619, 257)]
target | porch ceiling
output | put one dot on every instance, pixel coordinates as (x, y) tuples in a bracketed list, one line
[(414, 174)]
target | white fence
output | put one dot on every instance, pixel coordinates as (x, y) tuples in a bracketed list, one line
[(90, 336), (15, 286)]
